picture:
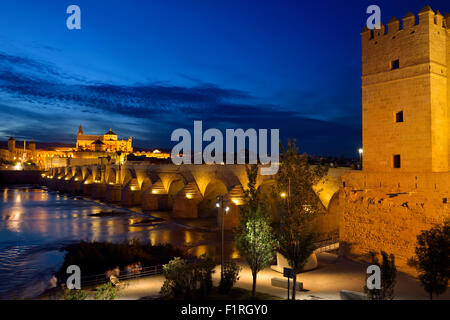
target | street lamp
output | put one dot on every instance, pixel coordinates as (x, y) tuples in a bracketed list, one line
[(220, 204), (360, 151)]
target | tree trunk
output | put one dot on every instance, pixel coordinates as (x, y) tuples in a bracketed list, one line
[(294, 282), (254, 274)]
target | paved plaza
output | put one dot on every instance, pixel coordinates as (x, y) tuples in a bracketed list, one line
[(333, 275)]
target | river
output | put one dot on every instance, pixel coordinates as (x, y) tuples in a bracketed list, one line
[(35, 223)]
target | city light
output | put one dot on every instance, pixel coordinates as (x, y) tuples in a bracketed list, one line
[(218, 205), (360, 150), (154, 191), (188, 195), (227, 209), (283, 195), (18, 167)]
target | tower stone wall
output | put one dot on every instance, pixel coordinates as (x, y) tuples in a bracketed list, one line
[(404, 70), (405, 182)]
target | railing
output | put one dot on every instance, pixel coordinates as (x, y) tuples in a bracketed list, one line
[(94, 280), (327, 245)]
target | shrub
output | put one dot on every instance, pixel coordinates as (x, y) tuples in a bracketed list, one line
[(180, 279), (105, 291), (203, 270), (74, 294), (230, 276)]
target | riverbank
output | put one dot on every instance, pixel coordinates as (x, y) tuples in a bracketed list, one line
[(36, 223), (20, 177)]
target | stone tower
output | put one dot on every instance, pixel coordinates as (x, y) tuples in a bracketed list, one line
[(12, 145), (406, 94), (32, 146), (404, 187)]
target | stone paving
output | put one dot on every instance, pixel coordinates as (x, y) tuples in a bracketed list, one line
[(333, 274)]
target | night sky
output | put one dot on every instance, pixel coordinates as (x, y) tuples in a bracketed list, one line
[(145, 68)]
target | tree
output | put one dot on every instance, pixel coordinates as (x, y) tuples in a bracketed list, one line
[(251, 194), (299, 204), (432, 259), (388, 278), (254, 236), (256, 243)]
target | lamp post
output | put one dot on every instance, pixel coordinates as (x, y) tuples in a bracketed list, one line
[(220, 210), (287, 198), (360, 151)]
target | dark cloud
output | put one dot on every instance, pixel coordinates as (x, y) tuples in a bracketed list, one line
[(157, 108)]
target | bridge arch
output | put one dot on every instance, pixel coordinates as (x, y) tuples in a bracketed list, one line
[(146, 185), (207, 206), (111, 175), (129, 175), (175, 186)]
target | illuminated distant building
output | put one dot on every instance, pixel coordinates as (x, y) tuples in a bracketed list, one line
[(102, 143)]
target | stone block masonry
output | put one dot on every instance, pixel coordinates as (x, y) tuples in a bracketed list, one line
[(405, 183)]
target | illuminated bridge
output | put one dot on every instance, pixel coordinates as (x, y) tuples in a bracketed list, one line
[(189, 191)]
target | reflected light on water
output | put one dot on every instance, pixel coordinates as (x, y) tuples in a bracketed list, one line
[(46, 221), (14, 222)]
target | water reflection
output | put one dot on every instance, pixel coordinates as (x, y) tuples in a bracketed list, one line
[(35, 223)]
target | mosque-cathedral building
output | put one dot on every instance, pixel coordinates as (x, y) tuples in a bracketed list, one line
[(89, 149), (107, 142)]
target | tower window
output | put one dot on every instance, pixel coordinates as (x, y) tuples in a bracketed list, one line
[(399, 116), (395, 64), (397, 163)]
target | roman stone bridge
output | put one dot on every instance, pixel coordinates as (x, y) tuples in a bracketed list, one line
[(190, 191)]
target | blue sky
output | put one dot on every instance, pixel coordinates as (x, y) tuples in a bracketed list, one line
[(145, 68)]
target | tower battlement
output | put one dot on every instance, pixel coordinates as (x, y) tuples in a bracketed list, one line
[(426, 17), (406, 94)]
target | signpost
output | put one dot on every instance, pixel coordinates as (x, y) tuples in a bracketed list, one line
[(288, 273)]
